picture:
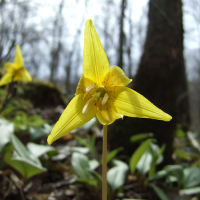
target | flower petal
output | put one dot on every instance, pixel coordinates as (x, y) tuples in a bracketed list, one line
[(6, 79), (117, 77), (95, 62), (26, 75), (71, 118), (18, 60), (83, 84), (108, 114), (10, 67), (130, 103), (22, 75)]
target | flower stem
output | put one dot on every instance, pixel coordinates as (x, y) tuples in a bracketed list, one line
[(104, 164), (9, 89)]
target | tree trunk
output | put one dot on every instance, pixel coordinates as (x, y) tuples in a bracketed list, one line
[(56, 46), (121, 34), (160, 78)]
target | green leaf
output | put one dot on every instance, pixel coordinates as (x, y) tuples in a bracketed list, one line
[(39, 150), (173, 172), (138, 154), (23, 161), (144, 164), (186, 155), (19, 147), (89, 124), (177, 171), (96, 176), (116, 176), (81, 165), (159, 192), (87, 181), (191, 177), (93, 164), (190, 191), (8, 147), (156, 160), (159, 175), (6, 128), (180, 133), (193, 140), (40, 132), (111, 155), (141, 136), (24, 166), (23, 118), (83, 142), (90, 144), (150, 158), (68, 149)]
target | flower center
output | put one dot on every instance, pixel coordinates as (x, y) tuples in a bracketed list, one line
[(98, 94)]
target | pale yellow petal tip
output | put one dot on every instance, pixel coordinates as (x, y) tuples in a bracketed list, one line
[(88, 22), (30, 79), (167, 117), (18, 47), (50, 140)]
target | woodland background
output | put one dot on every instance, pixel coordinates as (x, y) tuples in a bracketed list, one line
[(158, 47)]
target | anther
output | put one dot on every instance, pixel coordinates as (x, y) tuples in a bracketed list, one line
[(90, 88), (105, 99), (87, 106)]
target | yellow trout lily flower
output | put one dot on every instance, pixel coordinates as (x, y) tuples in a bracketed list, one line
[(101, 92), (15, 70)]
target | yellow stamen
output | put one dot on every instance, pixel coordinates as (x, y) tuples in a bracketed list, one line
[(86, 95), (87, 106), (107, 88), (105, 99), (90, 88)]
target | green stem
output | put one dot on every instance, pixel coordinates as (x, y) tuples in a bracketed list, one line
[(9, 89), (104, 167)]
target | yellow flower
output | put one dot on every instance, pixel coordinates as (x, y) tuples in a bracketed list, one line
[(101, 92), (15, 70)]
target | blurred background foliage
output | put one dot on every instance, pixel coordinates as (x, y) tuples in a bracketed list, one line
[(157, 44)]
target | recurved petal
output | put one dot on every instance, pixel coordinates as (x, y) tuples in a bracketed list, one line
[(71, 118), (6, 79), (10, 67), (18, 60), (130, 103), (117, 77), (95, 62), (108, 114), (83, 84), (26, 75)]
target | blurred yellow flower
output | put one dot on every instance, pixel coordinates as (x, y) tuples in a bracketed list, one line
[(101, 92), (15, 70)]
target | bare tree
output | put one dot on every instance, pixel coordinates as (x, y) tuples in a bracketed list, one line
[(18, 27), (160, 77), (56, 44), (129, 44), (121, 34)]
